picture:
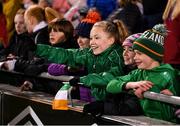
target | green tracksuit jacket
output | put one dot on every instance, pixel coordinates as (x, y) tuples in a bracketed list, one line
[(101, 68), (163, 77)]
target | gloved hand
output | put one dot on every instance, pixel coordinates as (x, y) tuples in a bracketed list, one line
[(57, 69), (74, 81)]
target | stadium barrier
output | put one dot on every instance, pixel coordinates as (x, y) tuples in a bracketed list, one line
[(35, 108)]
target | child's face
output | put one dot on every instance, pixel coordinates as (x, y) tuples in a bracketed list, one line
[(19, 24), (56, 36), (128, 55), (83, 42), (143, 61), (100, 40)]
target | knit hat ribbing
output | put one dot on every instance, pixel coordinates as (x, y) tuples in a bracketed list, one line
[(129, 40), (151, 42)]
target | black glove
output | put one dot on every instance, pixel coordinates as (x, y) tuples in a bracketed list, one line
[(74, 81)]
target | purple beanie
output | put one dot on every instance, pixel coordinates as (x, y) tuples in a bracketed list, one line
[(129, 40), (57, 69)]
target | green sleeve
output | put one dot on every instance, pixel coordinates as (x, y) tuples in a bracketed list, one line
[(59, 55), (100, 79), (116, 85), (56, 55)]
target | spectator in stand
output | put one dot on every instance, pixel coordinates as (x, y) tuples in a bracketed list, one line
[(128, 53), (171, 18), (10, 8), (36, 24), (84, 28), (61, 34), (114, 101), (21, 45)]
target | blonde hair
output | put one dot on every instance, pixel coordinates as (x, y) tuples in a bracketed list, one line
[(172, 4), (116, 29), (37, 12)]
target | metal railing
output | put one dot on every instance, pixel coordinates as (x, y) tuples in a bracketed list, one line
[(150, 95)]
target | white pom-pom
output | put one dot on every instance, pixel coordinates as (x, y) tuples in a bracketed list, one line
[(161, 29)]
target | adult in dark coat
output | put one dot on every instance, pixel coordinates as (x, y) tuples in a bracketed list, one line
[(21, 45)]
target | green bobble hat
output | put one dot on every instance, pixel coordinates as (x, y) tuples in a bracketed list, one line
[(151, 42)]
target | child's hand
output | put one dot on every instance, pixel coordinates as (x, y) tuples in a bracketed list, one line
[(146, 85), (26, 86), (139, 92), (166, 92), (11, 56), (139, 87)]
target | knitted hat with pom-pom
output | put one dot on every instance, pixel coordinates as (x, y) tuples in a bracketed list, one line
[(84, 28), (151, 42)]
